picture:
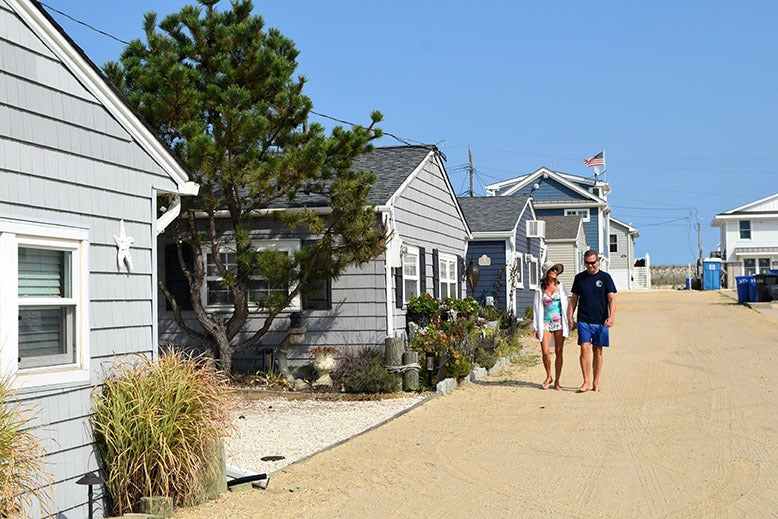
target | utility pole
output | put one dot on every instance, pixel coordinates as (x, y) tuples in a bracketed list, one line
[(699, 250), (470, 169)]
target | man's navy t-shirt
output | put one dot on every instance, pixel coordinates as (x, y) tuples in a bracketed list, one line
[(592, 290)]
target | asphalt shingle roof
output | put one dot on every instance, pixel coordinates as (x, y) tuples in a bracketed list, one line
[(492, 213), (561, 227), (392, 165)]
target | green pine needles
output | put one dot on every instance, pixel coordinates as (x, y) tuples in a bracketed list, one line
[(159, 425), (23, 475), (221, 90)]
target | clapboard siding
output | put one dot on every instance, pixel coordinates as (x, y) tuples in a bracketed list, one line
[(426, 215), (487, 283), (66, 160)]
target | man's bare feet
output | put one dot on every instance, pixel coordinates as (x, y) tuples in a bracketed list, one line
[(546, 383), (557, 387), (583, 389)]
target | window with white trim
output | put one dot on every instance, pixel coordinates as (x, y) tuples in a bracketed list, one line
[(745, 229), (43, 314), (583, 213), (614, 243), (533, 272), (518, 270), (410, 259), (217, 292), (753, 266), (447, 269)]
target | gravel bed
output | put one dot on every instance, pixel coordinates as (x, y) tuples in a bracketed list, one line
[(296, 429)]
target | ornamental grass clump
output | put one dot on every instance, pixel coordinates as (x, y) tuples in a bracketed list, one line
[(23, 475), (159, 426)]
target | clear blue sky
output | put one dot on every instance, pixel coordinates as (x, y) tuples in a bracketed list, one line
[(682, 95)]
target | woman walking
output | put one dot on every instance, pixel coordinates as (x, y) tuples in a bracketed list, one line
[(548, 320)]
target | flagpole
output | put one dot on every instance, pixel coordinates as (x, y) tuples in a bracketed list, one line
[(604, 166)]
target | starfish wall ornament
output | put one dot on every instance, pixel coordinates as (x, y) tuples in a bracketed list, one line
[(123, 243)]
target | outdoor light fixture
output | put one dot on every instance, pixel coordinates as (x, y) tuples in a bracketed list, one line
[(90, 479), (429, 364), (295, 320)]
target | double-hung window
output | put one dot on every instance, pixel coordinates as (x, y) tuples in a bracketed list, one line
[(43, 311), (217, 291), (447, 269), (614, 243), (410, 259), (533, 272), (745, 229), (518, 270)]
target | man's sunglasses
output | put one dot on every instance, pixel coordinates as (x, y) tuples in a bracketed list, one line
[(591, 262)]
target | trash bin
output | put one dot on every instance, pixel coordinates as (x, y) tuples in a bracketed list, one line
[(744, 284), (688, 285), (766, 285)]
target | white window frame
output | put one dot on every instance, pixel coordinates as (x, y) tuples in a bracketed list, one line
[(446, 260), (533, 273), (613, 239), (15, 234), (283, 245), (405, 252), (519, 261), (741, 230), (582, 212)]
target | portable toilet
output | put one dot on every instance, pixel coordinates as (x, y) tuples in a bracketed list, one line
[(711, 274)]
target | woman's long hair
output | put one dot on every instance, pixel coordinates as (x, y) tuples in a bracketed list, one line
[(544, 281)]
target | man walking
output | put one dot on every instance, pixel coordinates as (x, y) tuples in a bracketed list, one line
[(594, 294)]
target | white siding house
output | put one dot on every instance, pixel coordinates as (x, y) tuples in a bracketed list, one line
[(749, 238), (621, 246)]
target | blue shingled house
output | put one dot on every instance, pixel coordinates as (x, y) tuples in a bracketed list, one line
[(560, 194), (507, 248)]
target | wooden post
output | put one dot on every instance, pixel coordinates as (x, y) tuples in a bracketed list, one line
[(410, 376), (394, 347)]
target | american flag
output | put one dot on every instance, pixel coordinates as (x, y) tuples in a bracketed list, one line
[(595, 160)]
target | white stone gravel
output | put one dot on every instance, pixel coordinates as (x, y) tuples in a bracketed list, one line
[(296, 429)]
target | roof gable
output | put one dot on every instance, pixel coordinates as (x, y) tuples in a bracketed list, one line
[(624, 227), (768, 203), (546, 174), (493, 213), (563, 227), (393, 167), (54, 38)]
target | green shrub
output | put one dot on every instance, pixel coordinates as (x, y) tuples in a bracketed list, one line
[(362, 371), (485, 359), (23, 475), (424, 305), (158, 426)]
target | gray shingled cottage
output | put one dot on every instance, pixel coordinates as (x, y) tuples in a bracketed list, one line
[(507, 247), (80, 172), (566, 244), (427, 240)]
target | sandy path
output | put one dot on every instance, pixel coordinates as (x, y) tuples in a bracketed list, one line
[(687, 427)]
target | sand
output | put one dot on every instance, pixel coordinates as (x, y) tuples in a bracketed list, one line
[(686, 427)]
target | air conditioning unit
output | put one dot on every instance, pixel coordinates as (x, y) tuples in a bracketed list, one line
[(536, 229)]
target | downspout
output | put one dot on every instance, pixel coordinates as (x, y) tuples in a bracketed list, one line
[(388, 220)]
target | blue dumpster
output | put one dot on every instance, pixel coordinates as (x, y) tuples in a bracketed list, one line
[(711, 274), (746, 289)]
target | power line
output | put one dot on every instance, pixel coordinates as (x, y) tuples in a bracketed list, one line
[(66, 15), (407, 142)]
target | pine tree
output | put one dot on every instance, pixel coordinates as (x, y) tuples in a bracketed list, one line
[(219, 89)]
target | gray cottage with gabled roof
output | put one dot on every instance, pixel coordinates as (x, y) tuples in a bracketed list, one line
[(80, 173), (507, 248), (565, 244), (426, 245)]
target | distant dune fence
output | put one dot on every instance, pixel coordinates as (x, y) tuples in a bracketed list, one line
[(670, 276)]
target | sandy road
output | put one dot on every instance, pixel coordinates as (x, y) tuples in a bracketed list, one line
[(687, 426)]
